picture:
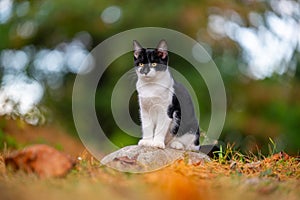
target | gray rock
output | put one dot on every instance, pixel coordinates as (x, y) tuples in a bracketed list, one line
[(140, 159)]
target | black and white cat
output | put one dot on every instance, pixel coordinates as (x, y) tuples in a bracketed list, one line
[(166, 109)]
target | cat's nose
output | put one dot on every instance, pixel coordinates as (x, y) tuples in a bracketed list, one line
[(145, 70)]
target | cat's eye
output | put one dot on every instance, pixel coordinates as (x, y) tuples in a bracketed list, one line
[(141, 64), (153, 64)]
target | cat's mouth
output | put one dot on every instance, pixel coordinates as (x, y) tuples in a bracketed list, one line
[(146, 76)]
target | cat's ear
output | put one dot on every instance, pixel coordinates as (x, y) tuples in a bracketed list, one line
[(162, 49), (137, 48)]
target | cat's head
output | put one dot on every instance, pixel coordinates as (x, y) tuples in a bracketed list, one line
[(150, 62)]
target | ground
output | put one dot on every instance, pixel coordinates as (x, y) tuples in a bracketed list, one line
[(233, 176)]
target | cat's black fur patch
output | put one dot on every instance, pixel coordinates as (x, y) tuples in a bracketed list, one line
[(211, 150), (197, 139), (174, 112), (148, 56), (182, 110)]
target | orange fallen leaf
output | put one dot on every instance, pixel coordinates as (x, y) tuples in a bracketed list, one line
[(41, 159)]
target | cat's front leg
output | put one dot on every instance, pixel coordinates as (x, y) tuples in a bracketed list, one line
[(161, 130), (147, 128)]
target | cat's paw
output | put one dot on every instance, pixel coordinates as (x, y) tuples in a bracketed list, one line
[(177, 145), (159, 144), (145, 142)]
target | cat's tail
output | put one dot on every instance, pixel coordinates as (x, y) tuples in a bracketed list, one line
[(210, 149)]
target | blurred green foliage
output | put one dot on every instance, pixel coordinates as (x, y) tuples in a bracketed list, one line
[(257, 109), (6, 141)]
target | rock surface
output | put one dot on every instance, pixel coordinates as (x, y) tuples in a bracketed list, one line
[(139, 159), (41, 159)]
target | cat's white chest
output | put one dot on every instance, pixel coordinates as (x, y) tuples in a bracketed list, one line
[(155, 100), (155, 95), (154, 104)]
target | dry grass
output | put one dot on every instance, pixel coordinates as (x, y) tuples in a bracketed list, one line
[(231, 176), (275, 177), (2, 165)]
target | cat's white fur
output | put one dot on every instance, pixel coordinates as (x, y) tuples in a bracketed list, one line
[(155, 93), (184, 142)]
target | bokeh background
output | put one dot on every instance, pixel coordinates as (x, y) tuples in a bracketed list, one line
[(254, 43)]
